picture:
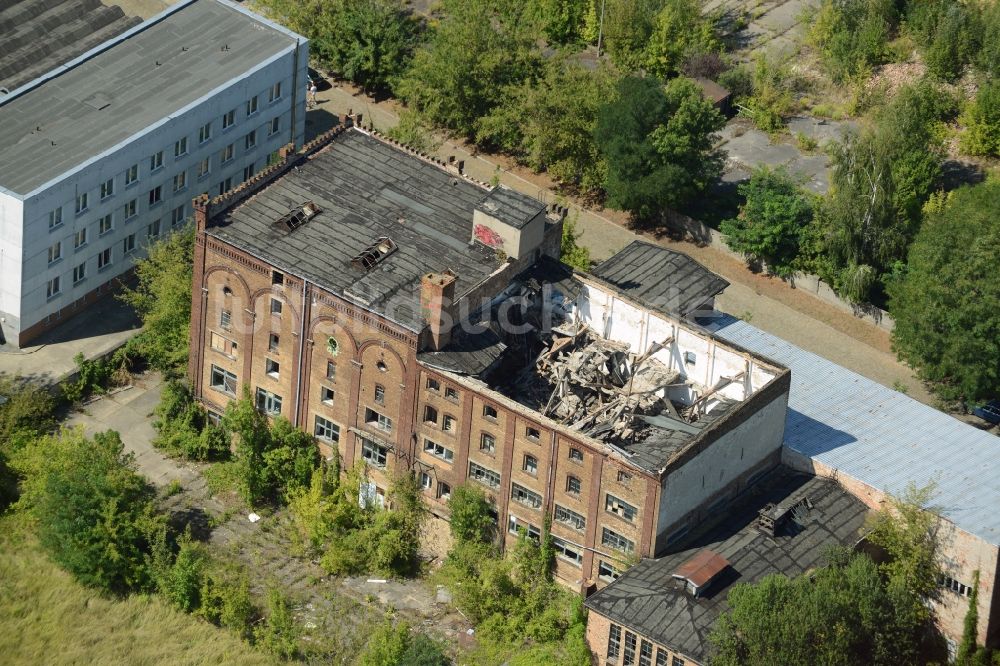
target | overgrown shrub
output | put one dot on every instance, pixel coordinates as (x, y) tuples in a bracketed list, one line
[(770, 97), (982, 122), (399, 645), (853, 35), (279, 633), (179, 577), (183, 428), (226, 601)]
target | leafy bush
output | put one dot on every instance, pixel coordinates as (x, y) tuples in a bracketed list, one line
[(398, 645), (771, 221), (852, 35), (179, 577), (226, 601), (982, 122), (947, 32), (413, 131), (679, 32), (570, 251), (279, 633), (770, 97), (183, 429)]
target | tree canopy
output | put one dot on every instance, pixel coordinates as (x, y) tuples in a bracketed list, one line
[(945, 306), (658, 142)]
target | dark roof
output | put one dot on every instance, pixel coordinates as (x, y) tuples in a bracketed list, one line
[(39, 35), (552, 272), (646, 600), (660, 279), (659, 445), (469, 352), (711, 90), (366, 190), (511, 207), (121, 91)]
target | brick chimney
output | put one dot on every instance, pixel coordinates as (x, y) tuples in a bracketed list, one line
[(437, 300)]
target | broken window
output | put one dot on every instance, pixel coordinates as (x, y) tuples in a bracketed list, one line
[(433, 384), (487, 443), (624, 478), (275, 306), (374, 253), (645, 653), (630, 642), (490, 412), (331, 370), (438, 451), (377, 420), (614, 643), (607, 571), (444, 490), (372, 452), (326, 395), (573, 485), (530, 465), (380, 394), (570, 518), (516, 525), (532, 433), (449, 423), (272, 342), (524, 496), (451, 394), (268, 403), (426, 481), (430, 415), (576, 455), (613, 539), (568, 551), (272, 368), (223, 380), (487, 477), (299, 215), (327, 430), (619, 507)]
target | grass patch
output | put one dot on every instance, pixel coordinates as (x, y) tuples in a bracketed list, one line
[(222, 477), (47, 617)]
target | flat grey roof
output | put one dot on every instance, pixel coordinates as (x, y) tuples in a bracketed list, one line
[(511, 207), (881, 437), (366, 190), (117, 93), (38, 35), (663, 280), (646, 601)]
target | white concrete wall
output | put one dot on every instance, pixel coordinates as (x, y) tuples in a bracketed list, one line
[(721, 463), (35, 271), (11, 232)]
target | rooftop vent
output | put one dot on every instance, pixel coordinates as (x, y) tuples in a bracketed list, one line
[(698, 572), (772, 517), (299, 215), (374, 253)]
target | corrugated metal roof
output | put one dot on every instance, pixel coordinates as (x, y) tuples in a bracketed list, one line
[(881, 437)]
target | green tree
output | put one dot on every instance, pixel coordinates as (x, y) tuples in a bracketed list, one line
[(471, 521), (253, 438), (770, 97), (852, 35), (982, 122), (947, 32), (628, 25), (968, 648), (947, 322), (479, 49), (563, 19), (549, 124), (182, 426), (94, 514), (571, 252), (678, 32), (658, 143), (397, 645), (279, 634), (180, 577), (772, 220), (26, 413), (162, 298)]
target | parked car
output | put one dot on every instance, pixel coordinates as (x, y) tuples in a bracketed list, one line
[(989, 412), (319, 80)]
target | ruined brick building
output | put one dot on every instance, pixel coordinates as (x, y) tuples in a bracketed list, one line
[(417, 320)]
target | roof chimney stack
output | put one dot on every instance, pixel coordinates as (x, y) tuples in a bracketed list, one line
[(437, 300)]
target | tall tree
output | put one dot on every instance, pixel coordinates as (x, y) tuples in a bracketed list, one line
[(679, 31), (628, 25), (658, 143), (479, 50), (945, 306)]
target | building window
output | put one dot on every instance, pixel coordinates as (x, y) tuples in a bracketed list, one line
[(273, 340), (487, 443), (661, 657), (228, 119), (444, 490), (490, 412), (576, 455), (487, 477), (614, 642), (274, 93), (438, 451), (156, 195), (225, 319), (180, 181), (433, 384), (326, 395), (55, 252), (274, 126), (104, 258), (227, 154), (624, 478), (177, 216), (79, 273), (568, 551), (81, 203), (620, 508), (327, 430), (690, 357), (570, 518), (524, 496), (204, 167), (52, 287), (331, 370), (128, 244), (377, 420), (380, 394), (629, 657), (267, 402), (532, 433), (573, 485), (448, 424), (612, 539), (645, 653), (381, 366), (156, 161), (277, 277), (530, 465), (275, 306), (131, 174), (80, 239), (225, 186), (451, 393), (223, 345), (430, 415), (515, 526), (204, 132), (249, 170), (955, 586), (272, 368), (373, 453), (252, 105), (223, 380), (676, 661), (426, 481), (607, 571), (107, 188), (55, 218), (130, 209), (181, 147), (250, 140)]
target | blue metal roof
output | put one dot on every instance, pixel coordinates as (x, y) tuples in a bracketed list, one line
[(881, 437)]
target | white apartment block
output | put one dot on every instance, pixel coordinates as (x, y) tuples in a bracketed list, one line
[(103, 154)]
